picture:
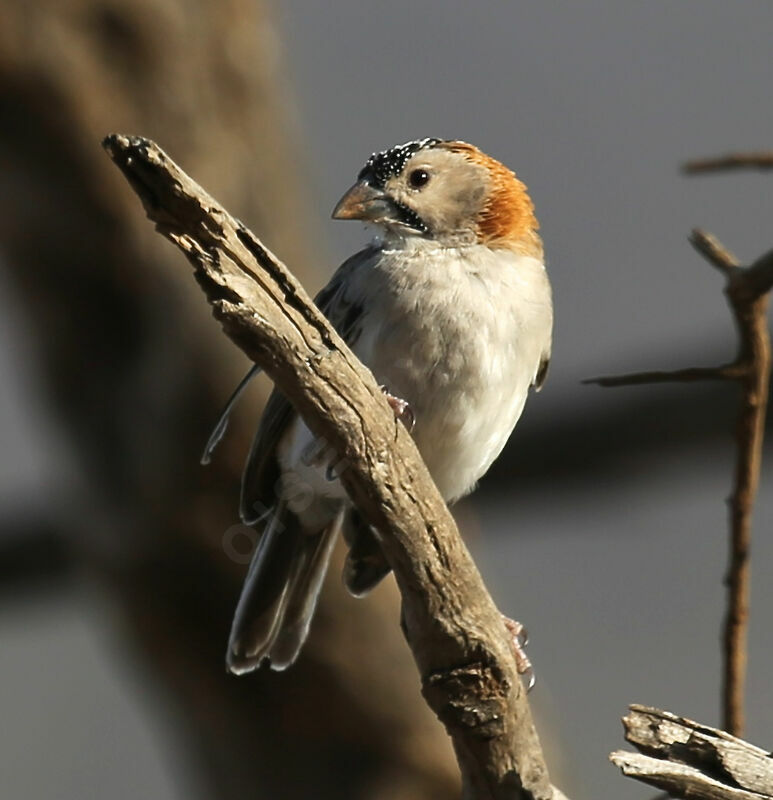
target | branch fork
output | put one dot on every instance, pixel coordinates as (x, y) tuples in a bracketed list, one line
[(747, 291)]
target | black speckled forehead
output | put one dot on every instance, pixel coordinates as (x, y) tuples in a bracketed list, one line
[(380, 167)]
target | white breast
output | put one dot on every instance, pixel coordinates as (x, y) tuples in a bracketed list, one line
[(460, 334)]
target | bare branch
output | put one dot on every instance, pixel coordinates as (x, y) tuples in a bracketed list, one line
[(727, 372), (731, 161), (455, 631), (751, 319), (677, 780), (758, 278), (747, 292), (692, 760), (712, 250)]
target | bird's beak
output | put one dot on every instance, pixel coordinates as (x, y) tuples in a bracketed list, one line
[(364, 202)]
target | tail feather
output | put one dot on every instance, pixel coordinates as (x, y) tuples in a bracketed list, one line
[(280, 593), (302, 597), (365, 565)]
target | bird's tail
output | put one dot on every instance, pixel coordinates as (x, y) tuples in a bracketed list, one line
[(280, 593)]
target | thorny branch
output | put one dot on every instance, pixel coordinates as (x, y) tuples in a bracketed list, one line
[(747, 291), (455, 631)]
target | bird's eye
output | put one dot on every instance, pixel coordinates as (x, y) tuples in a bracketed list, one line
[(418, 178)]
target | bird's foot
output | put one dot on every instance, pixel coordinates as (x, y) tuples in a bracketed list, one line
[(402, 409), (519, 639)]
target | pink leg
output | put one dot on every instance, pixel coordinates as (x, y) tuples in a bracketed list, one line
[(519, 641), (402, 409)]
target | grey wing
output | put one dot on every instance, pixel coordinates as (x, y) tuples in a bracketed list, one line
[(340, 300), (260, 478), (261, 472)]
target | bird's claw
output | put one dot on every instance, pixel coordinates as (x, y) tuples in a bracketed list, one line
[(402, 409), (519, 639)]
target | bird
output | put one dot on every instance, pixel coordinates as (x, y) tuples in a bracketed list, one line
[(450, 306)]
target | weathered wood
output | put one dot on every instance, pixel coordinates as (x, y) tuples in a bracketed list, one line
[(455, 631), (687, 759)]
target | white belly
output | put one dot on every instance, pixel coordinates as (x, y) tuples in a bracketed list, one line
[(466, 391), (462, 345)]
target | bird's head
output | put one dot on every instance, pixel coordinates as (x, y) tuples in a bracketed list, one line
[(446, 191)]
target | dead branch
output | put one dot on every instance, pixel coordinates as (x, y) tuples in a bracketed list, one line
[(455, 631), (731, 161), (747, 292), (690, 760)]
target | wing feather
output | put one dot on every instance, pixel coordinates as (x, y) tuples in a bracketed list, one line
[(261, 471)]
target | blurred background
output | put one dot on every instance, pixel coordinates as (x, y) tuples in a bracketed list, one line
[(603, 525)]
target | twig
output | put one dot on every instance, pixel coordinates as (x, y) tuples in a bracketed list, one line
[(690, 760), (455, 631), (747, 292), (724, 373), (731, 161), (749, 306), (712, 250)]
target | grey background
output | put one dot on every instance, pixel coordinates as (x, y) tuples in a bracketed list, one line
[(610, 548)]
